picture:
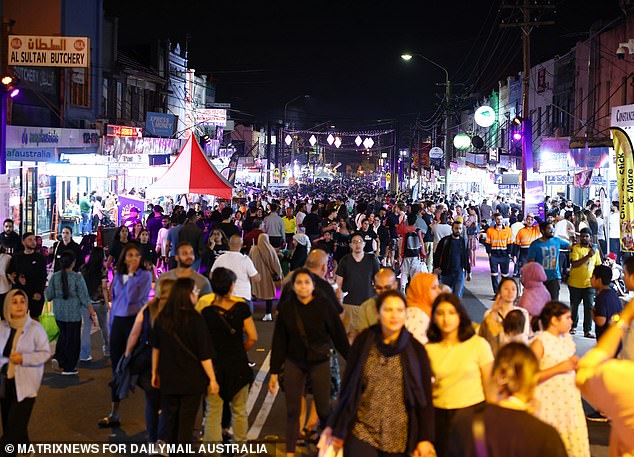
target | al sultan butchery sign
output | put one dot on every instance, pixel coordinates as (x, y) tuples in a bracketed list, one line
[(48, 51)]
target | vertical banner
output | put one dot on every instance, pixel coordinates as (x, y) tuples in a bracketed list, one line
[(534, 198), (625, 185)]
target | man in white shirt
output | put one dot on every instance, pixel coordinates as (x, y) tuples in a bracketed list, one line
[(615, 231), (242, 266)]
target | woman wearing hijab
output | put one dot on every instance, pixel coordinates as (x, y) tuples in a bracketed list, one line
[(300, 253), (421, 293), (267, 263), (385, 362), (25, 350)]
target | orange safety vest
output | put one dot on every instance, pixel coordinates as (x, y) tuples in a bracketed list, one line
[(499, 239), (526, 235)]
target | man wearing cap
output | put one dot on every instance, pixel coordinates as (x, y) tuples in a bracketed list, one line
[(154, 223)]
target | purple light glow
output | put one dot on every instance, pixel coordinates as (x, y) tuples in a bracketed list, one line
[(517, 136), (14, 92)]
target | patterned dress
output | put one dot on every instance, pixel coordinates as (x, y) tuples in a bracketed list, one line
[(559, 399)]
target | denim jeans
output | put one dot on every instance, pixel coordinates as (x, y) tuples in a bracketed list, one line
[(454, 280), (577, 295), (500, 262), (86, 224), (213, 416), (409, 268), (101, 309)]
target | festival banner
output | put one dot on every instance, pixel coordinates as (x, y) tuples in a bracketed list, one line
[(127, 202), (625, 185)]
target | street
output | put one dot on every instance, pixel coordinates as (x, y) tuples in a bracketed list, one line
[(69, 407)]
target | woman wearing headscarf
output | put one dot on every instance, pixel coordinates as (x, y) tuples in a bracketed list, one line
[(25, 350), (267, 263), (300, 253), (385, 362), (421, 293)]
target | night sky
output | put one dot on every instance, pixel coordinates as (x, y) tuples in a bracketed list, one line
[(346, 55)]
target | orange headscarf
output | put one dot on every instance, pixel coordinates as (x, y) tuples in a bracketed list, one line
[(418, 291)]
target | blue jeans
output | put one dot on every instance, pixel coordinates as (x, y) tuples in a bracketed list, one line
[(577, 295), (501, 262), (86, 223), (101, 309), (454, 280)]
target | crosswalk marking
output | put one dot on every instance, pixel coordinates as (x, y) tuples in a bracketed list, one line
[(263, 414), (254, 393)]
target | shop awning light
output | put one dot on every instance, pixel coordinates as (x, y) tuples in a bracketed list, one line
[(312, 140), (288, 140), (330, 139)]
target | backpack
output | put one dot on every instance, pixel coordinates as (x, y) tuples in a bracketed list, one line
[(412, 245)]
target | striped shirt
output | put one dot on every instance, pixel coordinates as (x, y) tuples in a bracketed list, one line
[(527, 235), (499, 240)]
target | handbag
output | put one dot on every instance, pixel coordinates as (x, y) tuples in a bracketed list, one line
[(47, 320), (315, 353)]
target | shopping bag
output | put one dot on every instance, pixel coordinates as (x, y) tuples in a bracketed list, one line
[(47, 320)]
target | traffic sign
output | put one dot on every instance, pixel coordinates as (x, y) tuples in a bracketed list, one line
[(276, 172), (388, 177), (436, 153), (283, 174)]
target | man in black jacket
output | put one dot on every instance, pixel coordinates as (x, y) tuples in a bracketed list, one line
[(67, 244), (27, 271), (452, 259)]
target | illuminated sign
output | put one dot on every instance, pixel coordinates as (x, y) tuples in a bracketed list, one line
[(48, 51), (124, 131), (484, 116), (212, 116)]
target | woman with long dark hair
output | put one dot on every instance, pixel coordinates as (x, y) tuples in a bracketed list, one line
[(139, 342), (385, 407), (119, 241), (130, 289), (306, 328), (181, 361), (96, 277), (461, 362), (69, 294)]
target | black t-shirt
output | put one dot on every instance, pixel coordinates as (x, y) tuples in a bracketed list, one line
[(33, 267), (179, 372), (11, 241), (368, 237), (312, 224), (230, 360), (327, 247), (357, 277), (508, 433)]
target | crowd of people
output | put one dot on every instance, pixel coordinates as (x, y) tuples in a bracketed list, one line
[(365, 278)]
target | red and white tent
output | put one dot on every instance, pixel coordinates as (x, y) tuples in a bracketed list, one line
[(191, 173)]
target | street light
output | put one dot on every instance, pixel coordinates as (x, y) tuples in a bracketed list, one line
[(409, 56), (293, 147)]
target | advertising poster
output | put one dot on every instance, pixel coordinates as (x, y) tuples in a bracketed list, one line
[(625, 186), (535, 198), (127, 202)]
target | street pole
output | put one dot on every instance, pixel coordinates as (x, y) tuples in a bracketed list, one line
[(526, 136), (447, 145)]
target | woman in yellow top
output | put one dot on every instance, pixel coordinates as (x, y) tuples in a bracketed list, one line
[(460, 361)]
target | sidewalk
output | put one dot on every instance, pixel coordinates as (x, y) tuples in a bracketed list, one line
[(478, 297)]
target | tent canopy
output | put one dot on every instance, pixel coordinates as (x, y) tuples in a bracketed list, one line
[(191, 173)]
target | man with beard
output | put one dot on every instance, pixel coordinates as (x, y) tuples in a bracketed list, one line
[(185, 258), (452, 259), (545, 251), (27, 271)]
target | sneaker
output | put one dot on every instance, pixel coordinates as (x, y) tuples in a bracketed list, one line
[(596, 417), (86, 359), (55, 364), (588, 335), (573, 331), (112, 421), (267, 318), (70, 373)]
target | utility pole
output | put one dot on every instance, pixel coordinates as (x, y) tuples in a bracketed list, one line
[(447, 145), (523, 17)]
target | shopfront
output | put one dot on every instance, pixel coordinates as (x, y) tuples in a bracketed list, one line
[(34, 187)]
